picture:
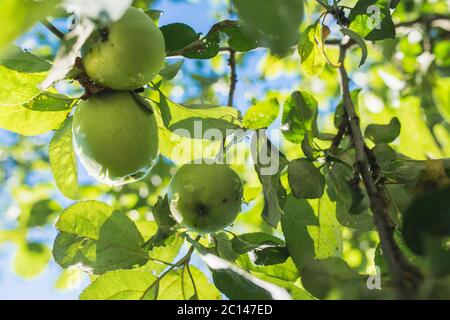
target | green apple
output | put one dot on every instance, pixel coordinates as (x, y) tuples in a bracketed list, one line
[(127, 55), (115, 137), (205, 198)]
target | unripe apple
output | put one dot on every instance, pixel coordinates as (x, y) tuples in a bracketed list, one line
[(205, 198), (115, 137), (127, 55)]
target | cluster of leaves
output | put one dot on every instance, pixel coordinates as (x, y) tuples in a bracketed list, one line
[(308, 222)]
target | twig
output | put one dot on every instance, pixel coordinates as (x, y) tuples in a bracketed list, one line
[(341, 132), (405, 276), (179, 263), (192, 280), (53, 29), (233, 77)]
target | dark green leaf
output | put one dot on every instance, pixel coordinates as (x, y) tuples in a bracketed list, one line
[(170, 71), (361, 43), (239, 39), (267, 255), (250, 241), (299, 116), (209, 47), (428, 217), (320, 277), (277, 21), (269, 163), (178, 36), (383, 133), (41, 212), (305, 179), (372, 19)]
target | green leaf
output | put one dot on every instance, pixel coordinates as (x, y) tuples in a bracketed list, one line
[(177, 285), (119, 285), (338, 176), (63, 161), (383, 133), (404, 171), (167, 251), (250, 241), (84, 219), (269, 176), (320, 277), (311, 230), (372, 19), (24, 61), (239, 39), (28, 122), (178, 36), (208, 49), (285, 271), (427, 219), (41, 212), (162, 215), (299, 116), (17, 88), (31, 259), (224, 247), (193, 122), (385, 155), (237, 284), (17, 16), (47, 101), (69, 279), (262, 114), (267, 255), (295, 291), (277, 21), (100, 239), (359, 41), (154, 14), (312, 58), (170, 71), (305, 179)]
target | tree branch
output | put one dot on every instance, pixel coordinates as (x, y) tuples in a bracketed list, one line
[(233, 76), (405, 276), (53, 29)]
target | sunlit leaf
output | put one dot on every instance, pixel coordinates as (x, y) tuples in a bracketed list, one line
[(262, 114), (28, 122), (17, 16), (63, 161), (119, 285), (311, 55)]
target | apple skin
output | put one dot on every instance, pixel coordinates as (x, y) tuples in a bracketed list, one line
[(130, 53), (115, 137), (205, 198)]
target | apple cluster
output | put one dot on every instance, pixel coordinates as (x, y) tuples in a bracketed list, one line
[(116, 135)]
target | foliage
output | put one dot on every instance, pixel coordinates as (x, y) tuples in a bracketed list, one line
[(358, 95)]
